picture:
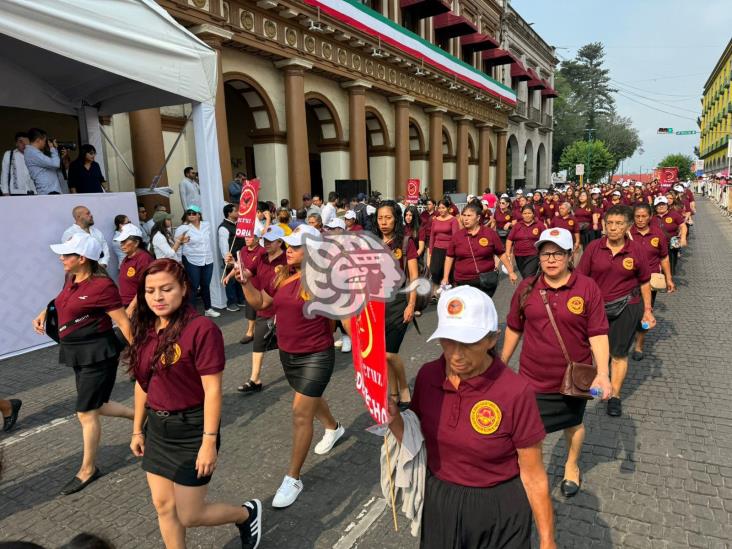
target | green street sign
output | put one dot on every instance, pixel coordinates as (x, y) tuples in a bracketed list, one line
[(687, 132)]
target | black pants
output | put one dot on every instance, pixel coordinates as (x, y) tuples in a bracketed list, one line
[(437, 264), (673, 259), (527, 265)]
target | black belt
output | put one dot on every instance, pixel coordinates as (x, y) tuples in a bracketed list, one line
[(167, 413)]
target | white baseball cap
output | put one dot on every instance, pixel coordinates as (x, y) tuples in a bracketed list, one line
[(638, 184), (679, 188), (273, 232), (660, 200), (370, 209), (128, 230), (465, 314), (336, 223), (617, 193), (298, 235), (626, 184), (560, 237), (519, 191), (80, 244), (595, 190), (504, 195), (350, 214)]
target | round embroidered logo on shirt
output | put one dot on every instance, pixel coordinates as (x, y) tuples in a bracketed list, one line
[(628, 263), (485, 417), (397, 253), (508, 218), (455, 307), (483, 242), (654, 241), (669, 220), (570, 222), (535, 231), (576, 305), (131, 272), (278, 268), (176, 354)]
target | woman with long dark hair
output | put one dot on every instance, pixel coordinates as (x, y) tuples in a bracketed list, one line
[(504, 218), (587, 217), (86, 307), (444, 226), (399, 311), (521, 239), (307, 356), (119, 221), (414, 228), (177, 358), (85, 174), (162, 243)]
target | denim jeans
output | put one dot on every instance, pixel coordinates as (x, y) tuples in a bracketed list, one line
[(200, 277), (234, 292)]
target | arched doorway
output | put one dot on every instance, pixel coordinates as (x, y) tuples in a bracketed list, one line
[(528, 159), (418, 157), (541, 174), (379, 153), (325, 136), (513, 167)]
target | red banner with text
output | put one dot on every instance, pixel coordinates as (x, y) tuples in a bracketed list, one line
[(368, 336), (412, 191), (247, 208), (667, 177)]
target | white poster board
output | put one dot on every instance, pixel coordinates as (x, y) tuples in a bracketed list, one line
[(31, 274)]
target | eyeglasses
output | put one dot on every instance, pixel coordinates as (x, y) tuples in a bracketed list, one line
[(554, 256), (191, 212)]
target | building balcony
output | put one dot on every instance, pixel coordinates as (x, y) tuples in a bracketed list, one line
[(519, 114), (547, 123), (534, 120)]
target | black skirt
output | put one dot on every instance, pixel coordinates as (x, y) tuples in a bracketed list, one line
[(172, 443), (94, 384), (437, 264), (308, 373), (622, 330), (462, 517), (394, 323), (528, 265), (559, 412)]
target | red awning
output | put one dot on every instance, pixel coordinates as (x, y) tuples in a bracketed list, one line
[(449, 25), (518, 72), (549, 91), (497, 56), (535, 83), (422, 9), (478, 42)]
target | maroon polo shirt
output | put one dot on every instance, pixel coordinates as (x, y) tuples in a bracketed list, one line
[(453, 209), (198, 351), (551, 209), (295, 333), (442, 231), (355, 227), (90, 300), (579, 312), (670, 222), (398, 252), (130, 274), (539, 210), (473, 254), (472, 433), (617, 275), (425, 220), (524, 236), (654, 243), (264, 274), (569, 223), (423, 233), (503, 219), (584, 215), (249, 258)]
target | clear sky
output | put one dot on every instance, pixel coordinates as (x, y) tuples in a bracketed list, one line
[(659, 52)]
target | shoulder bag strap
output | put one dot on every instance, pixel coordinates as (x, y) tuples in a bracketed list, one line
[(554, 325), (405, 245), (471, 253)]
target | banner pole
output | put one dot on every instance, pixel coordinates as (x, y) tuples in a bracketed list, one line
[(391, 486)]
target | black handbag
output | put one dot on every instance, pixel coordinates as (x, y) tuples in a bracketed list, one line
[(51, 326), (614, 308), (270, 338), (487, 282)]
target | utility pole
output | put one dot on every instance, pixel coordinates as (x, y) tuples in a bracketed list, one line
[(589, 152)]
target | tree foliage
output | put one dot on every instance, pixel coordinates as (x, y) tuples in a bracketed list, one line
[(620, 138), (594, 155), (590, 83), (681, 161)]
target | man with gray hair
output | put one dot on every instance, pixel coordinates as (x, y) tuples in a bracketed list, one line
[(84, 223)]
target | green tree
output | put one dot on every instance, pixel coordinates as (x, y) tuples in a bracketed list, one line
[(620, 137), (681, 161), (593, 154), (569, 125), (590, 83)]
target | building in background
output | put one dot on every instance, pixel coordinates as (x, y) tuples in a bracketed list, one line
[(716, 119)]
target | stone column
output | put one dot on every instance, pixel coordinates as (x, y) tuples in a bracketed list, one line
[(401, 143), (298, 159), (435, 151), (463, 153), (501, 146), (148, 154), (484, 158), (359, 159)]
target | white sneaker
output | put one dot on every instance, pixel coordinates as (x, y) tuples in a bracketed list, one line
[(346, 346), (212, 313), (329, 439), (287, 492)]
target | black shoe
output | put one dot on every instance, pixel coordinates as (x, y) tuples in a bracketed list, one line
[(250, 531), (9, 421), (246, 339), (614, 407), (637, 356), (569, 488), (76, 484), (250, 387)]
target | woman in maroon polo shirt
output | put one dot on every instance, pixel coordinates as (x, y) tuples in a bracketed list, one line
[(537, 202), (504, 218), (482, 435), (579, 312), (86, 307), (673, 225), (414, 229), (400, 310), (177, 358), (620, 267), (135, 261), (520, 242), (566, 220), (471, 253), (655, 244), (443, 228), (307, 356), (249, 256)]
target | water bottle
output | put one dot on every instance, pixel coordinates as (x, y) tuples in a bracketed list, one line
[(595, 392), (645, 325)]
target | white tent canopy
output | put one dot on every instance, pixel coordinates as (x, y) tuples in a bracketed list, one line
[(92, 57)]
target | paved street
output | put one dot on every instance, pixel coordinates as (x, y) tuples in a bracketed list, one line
[(660, 476)]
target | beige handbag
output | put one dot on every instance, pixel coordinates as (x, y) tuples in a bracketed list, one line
[(658, 282)]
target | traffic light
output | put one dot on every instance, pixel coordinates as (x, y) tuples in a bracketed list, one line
[(666, 130)]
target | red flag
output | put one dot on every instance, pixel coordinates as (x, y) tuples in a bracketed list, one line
[(667, 178), (247, 208), (412, 191), (368, 336)]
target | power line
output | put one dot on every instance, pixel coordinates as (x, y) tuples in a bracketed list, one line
[(691, 96), (654, 108), (696, 111)]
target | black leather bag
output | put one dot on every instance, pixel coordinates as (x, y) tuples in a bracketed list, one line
[(51, 326), (270, 338), (487, 282)]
